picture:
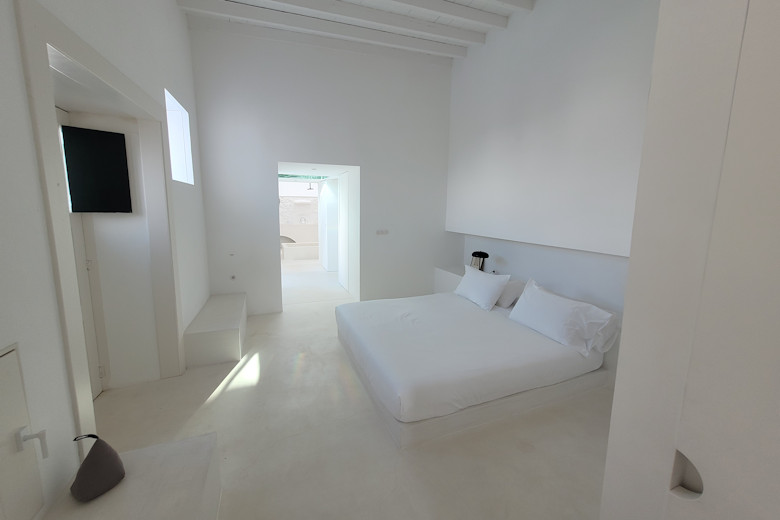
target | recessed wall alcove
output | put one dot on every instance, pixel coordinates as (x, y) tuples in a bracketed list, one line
[(686, 479)]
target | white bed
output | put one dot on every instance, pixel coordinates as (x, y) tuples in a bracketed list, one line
[(440, 359)]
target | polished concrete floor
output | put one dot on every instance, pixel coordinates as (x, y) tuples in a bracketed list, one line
[(299, 438), (305, 281)]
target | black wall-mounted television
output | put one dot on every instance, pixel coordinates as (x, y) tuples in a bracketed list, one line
[(98, 178)]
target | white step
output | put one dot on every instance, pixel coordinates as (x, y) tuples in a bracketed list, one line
[(216, 335), (173, 481)]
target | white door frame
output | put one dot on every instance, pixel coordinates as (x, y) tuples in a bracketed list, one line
[(91, 307), (349, 231)]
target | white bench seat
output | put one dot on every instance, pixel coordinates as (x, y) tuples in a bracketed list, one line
[(216, 335)]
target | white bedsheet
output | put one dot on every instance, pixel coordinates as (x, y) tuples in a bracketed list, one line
[(429, 356)]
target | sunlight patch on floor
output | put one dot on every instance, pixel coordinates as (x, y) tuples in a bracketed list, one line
[(245, 374)]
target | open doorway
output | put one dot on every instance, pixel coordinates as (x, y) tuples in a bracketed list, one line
[(319, 232)]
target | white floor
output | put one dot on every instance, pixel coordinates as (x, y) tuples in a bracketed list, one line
[(299, 439), (305, 281)]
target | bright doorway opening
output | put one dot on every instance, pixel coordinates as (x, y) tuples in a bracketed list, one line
[(319, 232)]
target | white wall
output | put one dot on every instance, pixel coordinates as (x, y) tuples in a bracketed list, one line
[(299, 211), (298, 189), (547, 124), (349, 232), (593, 277), (28, 302), (189, 227), (122, 263), (329, 224), (698, 367), (300, 232), (148, 41), (264, 100)]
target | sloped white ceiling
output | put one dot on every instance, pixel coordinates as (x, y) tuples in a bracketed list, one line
[(437, 27)]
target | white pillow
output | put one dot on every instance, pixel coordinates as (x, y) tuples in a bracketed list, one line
[(511, 293), (573, 323), (481, 288), (606, 336)]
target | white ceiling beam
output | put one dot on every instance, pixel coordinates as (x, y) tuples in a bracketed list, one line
[(197, 21), (345, 12), (519, 4), (459, 11), (305, 24)]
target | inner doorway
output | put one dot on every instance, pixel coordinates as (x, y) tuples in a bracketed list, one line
[(318, 232)]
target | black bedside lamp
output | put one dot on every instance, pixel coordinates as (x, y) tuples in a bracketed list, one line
[(478, 260)]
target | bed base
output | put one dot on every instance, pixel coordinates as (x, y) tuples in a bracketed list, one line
[(411, 433)]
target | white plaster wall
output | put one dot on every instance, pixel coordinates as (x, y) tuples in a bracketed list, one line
[(298, 211), (298, 189), (349, 232), (191, 257), (329, 224), (28, 302), (698, 370), (148, 41), (547, 125), (262, 101), (299, 217), (593, 277), (300, 232), (123, 264)]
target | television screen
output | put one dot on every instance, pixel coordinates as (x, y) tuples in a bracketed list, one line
[(96, 162)]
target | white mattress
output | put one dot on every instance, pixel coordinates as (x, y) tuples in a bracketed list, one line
[(429, 356)]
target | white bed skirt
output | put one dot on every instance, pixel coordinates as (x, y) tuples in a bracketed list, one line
[(406, 434)]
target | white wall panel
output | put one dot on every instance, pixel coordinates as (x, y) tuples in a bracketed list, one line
[(695, 68), (547, 123), (729, 425), (329, 224), (582, 275), (28, 301)]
